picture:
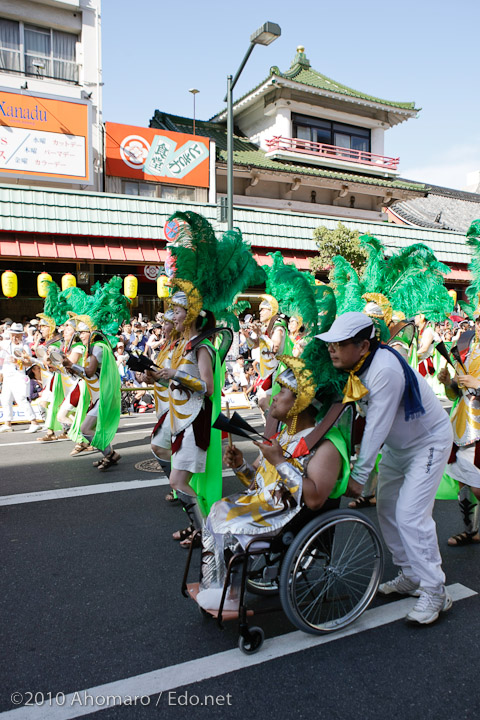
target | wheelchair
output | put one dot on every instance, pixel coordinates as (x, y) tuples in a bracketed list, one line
[(325, 566)]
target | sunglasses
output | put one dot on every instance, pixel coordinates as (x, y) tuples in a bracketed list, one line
[(339, 344)]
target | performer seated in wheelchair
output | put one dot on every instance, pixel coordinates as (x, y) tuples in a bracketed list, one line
[(285, 476)]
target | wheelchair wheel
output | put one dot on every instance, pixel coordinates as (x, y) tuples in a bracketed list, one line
[(254, 643), (331, 572)]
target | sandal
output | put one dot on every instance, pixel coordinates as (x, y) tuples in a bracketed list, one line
[(171, 498), (183, 534), (108, 461), (79, 447), (463, 538), (363, 502)]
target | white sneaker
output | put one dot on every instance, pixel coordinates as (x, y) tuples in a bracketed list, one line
[(401, 585), (6, 428), (429, 606), (32, 429)]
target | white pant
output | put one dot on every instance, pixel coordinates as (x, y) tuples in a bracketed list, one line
[(15, 389), (407, 483), (463, 469)]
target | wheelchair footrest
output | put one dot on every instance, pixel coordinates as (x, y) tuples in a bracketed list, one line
[(194, 588)]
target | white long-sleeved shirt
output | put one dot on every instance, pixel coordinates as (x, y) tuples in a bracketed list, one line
[(385, 414)]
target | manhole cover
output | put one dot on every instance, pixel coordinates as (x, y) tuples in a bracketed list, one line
[(149, 466)]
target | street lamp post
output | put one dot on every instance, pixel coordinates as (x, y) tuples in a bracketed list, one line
[(194, 92), (263, 36)]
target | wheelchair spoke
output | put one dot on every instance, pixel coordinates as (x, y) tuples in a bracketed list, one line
[(332, 573)]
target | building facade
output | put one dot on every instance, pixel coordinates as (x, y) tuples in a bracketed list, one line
[(93, 199)]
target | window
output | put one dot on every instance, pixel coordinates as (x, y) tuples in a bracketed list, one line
[(165, 192), (10, 58), (38, 51), (177, 192), (331, 133), (139, 188)]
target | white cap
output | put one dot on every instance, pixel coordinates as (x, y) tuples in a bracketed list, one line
[(346, 326)]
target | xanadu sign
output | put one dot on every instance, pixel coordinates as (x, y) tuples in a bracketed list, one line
[(159, 155), (44, 137)]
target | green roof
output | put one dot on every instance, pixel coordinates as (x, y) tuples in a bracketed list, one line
[(54, 212), (302, 72), (248, 154)]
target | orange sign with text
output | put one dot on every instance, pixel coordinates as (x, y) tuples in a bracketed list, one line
[(44, 137), (158, 155)]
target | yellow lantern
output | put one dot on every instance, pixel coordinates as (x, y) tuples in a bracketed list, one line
[(69, 280), (42, 284), (130, 287), (453, 295), (9, 284), (162, 287)]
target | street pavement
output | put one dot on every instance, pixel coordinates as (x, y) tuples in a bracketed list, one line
[(91, 611)]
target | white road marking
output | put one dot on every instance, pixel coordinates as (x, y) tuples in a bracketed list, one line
[(80, 490), (146, 431), (194, 671)]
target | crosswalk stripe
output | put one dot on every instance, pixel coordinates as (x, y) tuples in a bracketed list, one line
[(81, 490)]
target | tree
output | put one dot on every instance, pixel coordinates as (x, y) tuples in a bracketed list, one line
[(340, 241)]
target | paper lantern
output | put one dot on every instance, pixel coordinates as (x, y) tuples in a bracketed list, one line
[(453, 295), (162, 287), (9, 284), (69, 280), (42, 284), (130, 287)]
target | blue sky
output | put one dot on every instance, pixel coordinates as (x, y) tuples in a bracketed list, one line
[(424, 51)]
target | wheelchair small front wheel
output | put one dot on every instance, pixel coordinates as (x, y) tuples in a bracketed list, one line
[(331, 572), (253, 643)]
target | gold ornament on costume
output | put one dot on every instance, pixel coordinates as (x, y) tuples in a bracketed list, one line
[(383, 304), (304, 386), (271, 302), (397, 315), (47, 320), (194, 300), (85, 319)]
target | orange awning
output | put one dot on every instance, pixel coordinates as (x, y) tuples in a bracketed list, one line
[(302, 262), (82, 249)]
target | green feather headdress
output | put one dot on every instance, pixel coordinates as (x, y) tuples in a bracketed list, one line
[(106, 305), (473, 290), (219, 269), (294, 290)]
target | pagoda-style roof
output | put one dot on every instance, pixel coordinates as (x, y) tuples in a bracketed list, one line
[(301, 76), (246, 153), (443, 209)]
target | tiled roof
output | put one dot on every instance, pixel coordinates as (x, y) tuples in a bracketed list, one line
[(53, 212), (443, 209), (302, 73), (248, 154)]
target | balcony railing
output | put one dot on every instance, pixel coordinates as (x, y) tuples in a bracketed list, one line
[(332, 152)]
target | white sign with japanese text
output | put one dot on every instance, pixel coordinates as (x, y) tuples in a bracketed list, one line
[(45, 152)]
